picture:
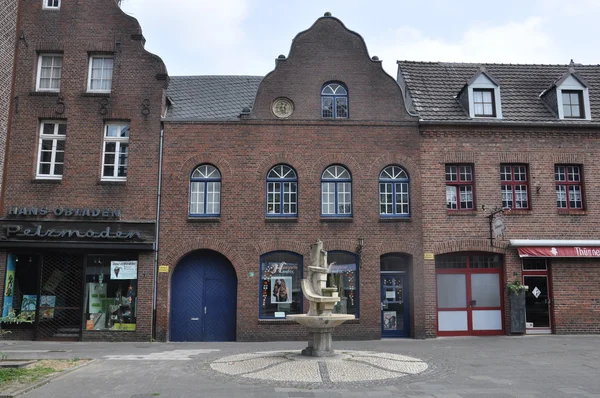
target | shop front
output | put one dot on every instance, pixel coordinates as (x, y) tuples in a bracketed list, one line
[(77, 280)]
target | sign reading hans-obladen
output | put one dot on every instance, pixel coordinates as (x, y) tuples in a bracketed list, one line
[(46, 231), (63, 212)]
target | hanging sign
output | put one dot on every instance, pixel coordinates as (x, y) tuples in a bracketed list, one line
[(498, 227)]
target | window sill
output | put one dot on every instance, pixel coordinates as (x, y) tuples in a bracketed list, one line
[(572, 212), (46, 181), (281, 219), (112, 182), (395, 219), (336, 219), (453, 213), (204, 219), (44, 93), (89, 94)]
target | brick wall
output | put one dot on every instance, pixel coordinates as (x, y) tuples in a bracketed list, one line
[(486, 148), (8, 26)]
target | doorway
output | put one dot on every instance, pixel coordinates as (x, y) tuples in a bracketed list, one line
[(203, 298), (395, 299), (538, 314)]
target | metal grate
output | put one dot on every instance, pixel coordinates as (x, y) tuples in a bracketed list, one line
[(59, 315)]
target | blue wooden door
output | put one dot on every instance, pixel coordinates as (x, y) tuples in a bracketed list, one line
[(395, 317), (203, 299)]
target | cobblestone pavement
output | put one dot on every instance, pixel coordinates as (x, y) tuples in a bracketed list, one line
[(529, 366)]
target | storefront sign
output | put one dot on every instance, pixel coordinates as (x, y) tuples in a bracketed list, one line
[(560, 251), (123, 269), (63, 212), (40, 232)]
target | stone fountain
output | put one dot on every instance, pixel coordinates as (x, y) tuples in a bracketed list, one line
[(319, 320)]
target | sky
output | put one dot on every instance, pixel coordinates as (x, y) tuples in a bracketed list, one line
[(243, 37)]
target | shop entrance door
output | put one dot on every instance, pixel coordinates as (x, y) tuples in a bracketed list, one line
[(469, 298), (395, 317), (203, 298)]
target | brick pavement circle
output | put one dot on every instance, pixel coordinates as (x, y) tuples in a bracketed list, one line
[(345, 367)]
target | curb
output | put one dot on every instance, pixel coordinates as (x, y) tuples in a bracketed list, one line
[(45, 381)]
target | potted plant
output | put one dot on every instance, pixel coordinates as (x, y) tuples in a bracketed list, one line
[(516, 291)]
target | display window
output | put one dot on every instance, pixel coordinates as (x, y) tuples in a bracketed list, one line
[(110, 295), (344, 275), (21, 288), (280, 292)]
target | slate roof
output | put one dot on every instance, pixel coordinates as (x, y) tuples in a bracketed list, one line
[(434, 85), (218, 98)]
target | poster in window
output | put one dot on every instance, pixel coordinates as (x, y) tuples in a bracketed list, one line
[(123, 270), (281, 289), (389, 320)]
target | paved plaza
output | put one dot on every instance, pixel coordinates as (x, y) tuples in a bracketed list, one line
[(528, 366)]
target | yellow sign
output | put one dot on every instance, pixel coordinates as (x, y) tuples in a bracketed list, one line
[(163, 268), (429, 256)]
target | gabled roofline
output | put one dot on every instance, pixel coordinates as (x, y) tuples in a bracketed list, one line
[(482, 71)]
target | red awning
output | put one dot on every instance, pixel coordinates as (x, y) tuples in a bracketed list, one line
[(559, 251)]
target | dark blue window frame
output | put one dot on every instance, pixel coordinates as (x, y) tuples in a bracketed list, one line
[(331, 254), (209, 175), (392, 175), (262, 286), (337, 181), (282, 181), (335, 101)]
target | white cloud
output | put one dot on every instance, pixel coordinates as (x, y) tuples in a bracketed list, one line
[(513, 42)]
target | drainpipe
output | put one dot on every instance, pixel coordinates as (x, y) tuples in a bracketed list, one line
[(156, 236)]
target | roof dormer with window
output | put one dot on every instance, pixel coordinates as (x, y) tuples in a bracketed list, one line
[(481, 96), (569, 97)]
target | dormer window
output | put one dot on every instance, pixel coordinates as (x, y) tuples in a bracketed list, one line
[(572, 104), (483, 102), (481, 96)]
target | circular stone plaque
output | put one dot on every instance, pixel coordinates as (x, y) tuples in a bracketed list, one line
[(282, 107)]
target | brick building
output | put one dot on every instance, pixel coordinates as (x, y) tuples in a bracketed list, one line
[(80, 203), (256, 169), (522, 137)]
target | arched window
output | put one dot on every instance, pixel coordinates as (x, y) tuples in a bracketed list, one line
[(280, 276), (334, 101), (336, 192), (205, 191), (282, 191), (344, 276), (393, 192)]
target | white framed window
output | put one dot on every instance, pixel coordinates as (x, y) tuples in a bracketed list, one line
[(51, 4), (115, 152), (573, 99), (484, 97), (49, 72), (336, 192), (51, 150), (100, 74)]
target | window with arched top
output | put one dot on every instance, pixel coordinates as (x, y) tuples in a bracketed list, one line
[(282, 191), (336, 191), (393, 192), (334, 101), (205, 191)]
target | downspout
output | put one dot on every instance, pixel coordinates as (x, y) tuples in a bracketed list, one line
[(156, 233), (11, 108)]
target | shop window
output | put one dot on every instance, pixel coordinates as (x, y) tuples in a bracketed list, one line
[(336, 192), (280, 291), (282, 191), (515, 186), (393, 192), (21, 288), (51, 150), (205, 191), (100, 74), (344, 275), (334, 101), (569, 187), (49, 72), (535, 264), (115, 154), (110, 295), (459, 187)]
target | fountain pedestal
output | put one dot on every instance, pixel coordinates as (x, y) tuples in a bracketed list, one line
[(319, 321)]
